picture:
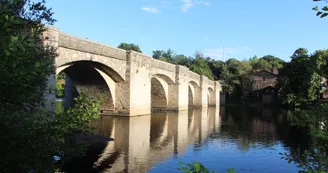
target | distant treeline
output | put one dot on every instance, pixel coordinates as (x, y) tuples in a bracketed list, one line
[(299, 80)]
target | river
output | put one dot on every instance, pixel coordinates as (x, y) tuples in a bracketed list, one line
[(246, 139)]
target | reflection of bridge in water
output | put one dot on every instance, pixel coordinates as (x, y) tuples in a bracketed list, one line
[(142, 141)]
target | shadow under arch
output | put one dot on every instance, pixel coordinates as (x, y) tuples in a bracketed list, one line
[(193, 94), (92, 77), (100, 66), (161, 88)]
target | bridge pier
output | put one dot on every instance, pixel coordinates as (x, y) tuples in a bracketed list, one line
[(203, 91), (138, 77), (218, 90), (178, 92)]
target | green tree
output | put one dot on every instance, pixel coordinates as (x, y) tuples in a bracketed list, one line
[(238, 78), (321, 11), (218, 68), (274, 61), (130, 46), (200, 66), (183, 60), (158, 53), (299, 81), (268, 63), (167, 56), (31, 137), (315, 158), (254, 61), (262, 64)]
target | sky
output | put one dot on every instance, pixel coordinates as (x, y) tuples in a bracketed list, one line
[(242, 28)]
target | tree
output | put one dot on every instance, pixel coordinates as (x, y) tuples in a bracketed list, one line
[(322, 11), (238, 78), (254, 61), (218, 68), (267, 62), (275, 62), (130, 46), (167, 56), (183, 60), (299, 81), (31, 137), (262, 64), (157, 54), (200, 66)]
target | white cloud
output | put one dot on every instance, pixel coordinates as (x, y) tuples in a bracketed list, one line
[(186, 5), (205, 38), (150, 9), (166, 2), (228, 52), (247, 48), (205, 3)]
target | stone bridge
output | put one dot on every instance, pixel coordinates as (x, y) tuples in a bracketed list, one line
[(133, 83)]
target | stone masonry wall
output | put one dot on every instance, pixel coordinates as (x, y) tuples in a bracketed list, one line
[(134, 70)]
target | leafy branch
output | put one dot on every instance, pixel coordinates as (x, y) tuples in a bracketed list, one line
[(323, 11)]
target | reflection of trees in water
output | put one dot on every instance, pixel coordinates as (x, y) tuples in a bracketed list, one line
[(86, 163), (248, 128), (264, 127)]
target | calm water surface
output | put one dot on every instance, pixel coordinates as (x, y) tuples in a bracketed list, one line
[(246, 139)]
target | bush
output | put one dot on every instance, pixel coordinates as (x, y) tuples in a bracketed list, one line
[(60, 91), (197, 167)]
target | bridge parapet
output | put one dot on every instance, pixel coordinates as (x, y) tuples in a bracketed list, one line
[(210, 83), (163, 65), (84, 45)]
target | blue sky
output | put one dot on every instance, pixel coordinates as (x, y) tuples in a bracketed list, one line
[(243, 27)]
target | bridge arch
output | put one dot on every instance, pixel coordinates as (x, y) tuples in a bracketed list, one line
[(161, 88), (193, 94), (94, 78), (211, 97), (116, 76)]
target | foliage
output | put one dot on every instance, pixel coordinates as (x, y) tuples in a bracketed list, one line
[(236, 74), (300, 80), (86, 108), (59, 90), (200, 66), (25, 63), (315, 159), (323, 11), (197, 167), (29, 136), (238, 78), (61, 76), (130, 46)]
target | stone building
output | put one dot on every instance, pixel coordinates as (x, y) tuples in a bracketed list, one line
[(263, 79), (264, 83)]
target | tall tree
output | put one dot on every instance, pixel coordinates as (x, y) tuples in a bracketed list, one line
[(130, 46), (31, 137), (201, 67), (254, 61), (299, 81), (262, 64)]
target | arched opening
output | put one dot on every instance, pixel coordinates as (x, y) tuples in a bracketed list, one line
[(85, 76), (194, 97), (158, 94), (190, 97), (211, 97)]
